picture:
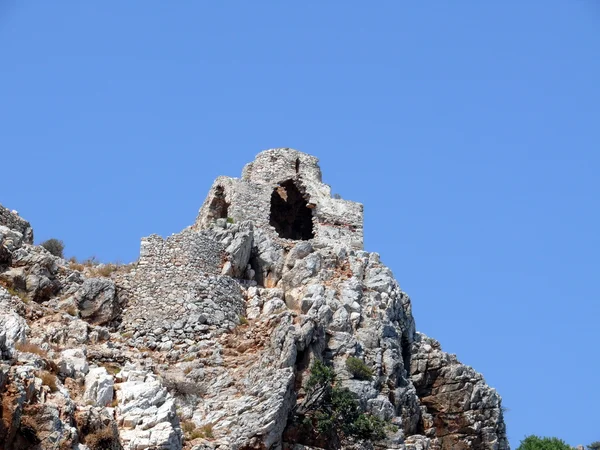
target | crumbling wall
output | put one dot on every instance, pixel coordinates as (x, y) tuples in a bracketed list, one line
[(178, 293), (334, 221)]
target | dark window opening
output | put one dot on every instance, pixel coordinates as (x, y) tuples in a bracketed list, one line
[(290, 214), (218, 208), (297, 165)]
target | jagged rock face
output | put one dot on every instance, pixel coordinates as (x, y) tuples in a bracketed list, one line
[(12, 221), (459, 407), (209, 341)]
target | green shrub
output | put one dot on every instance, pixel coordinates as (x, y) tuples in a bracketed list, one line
[(594, 446), (230, 220), (333, 410), (54, 246), (537, 443), (369, 426), (358, 368), (320, 375)]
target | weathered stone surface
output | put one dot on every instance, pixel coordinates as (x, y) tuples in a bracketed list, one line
[(98, 387), (12, 221), (12, 329), (213, 333), (97, 301), (334, 221), (146, 414), (464, 412), (73, 363)]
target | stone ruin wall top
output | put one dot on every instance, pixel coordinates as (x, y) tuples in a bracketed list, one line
[(267, 182)]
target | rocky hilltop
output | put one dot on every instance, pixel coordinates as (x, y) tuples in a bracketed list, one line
[(264, 325)]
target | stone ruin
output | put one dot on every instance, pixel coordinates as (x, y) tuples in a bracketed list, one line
[(282, 191), (213, 333)]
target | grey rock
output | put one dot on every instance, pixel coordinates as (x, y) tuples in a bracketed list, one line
[(98, 387), (97, 301)]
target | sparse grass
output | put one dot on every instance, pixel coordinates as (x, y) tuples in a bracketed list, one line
[(191, 432), (92, 264), (75, 265), (243, 320), (12, 291), (48, 379), (106, 270), (207, 430), (112, 369), (91, 261), (28, 347), (102, 439), (230, 220), (188, 426), (127, 334)]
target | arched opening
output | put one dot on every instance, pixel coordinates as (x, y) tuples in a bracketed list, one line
[(218, 208), (290, 214)]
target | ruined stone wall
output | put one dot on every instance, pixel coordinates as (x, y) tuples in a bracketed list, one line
[(335, 221), (178, 296)]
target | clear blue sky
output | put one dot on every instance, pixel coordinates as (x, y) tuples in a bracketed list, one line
[(470, 131)]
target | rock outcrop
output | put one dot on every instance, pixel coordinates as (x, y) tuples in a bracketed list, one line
[(211, 340)]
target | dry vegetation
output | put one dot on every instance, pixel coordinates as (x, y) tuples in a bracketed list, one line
[(192, 432), (48, 379), (94, 268), (28, 347), (102, 439)]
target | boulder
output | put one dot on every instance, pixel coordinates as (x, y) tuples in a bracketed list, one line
[(12, 331), (98, 387), (97, 301)]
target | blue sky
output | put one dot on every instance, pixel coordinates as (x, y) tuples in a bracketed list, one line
[(470, 131)]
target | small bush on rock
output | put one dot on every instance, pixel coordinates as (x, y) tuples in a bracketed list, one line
[(54, 246), (49, 379), (335, 411), (180, 388), (103, 439), (358, 368)]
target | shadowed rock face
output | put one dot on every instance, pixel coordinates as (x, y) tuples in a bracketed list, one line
[(208, 341)]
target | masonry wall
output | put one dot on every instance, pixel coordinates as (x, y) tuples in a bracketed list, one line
[(335, 221)]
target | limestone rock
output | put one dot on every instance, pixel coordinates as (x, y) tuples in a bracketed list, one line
[(213, 333), (12, 221), (73, 363), (97, 301), (12, 331), (98, 387), (146, 415)]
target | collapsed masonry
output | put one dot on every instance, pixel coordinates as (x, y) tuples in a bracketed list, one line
[(282, 189)]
